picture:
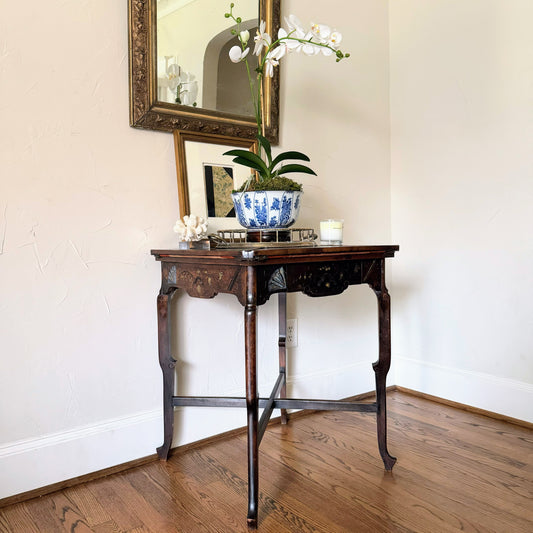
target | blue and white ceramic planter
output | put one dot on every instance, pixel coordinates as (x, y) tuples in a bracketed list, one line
[(267, 209)]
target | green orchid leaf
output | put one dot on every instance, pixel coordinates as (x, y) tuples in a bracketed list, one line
[(240, 153), (264, 142), (261, 168), (249, 156), (289, 155), (295, 168)]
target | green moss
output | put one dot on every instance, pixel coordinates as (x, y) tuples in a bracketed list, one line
[(279, 183)]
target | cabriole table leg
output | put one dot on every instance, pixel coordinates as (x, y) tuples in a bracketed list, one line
[(381, 368), (168, 364)]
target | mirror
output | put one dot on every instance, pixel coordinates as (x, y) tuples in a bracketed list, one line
[(206, 177), (183, 79)]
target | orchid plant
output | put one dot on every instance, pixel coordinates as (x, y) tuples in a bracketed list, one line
[(269, 172)]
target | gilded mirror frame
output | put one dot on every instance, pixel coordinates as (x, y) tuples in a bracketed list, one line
[(147, 112)]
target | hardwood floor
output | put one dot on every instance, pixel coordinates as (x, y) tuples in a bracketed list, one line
[(456, 471)]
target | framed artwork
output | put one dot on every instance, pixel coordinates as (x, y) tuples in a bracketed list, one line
[(206, 178), (219, 184)]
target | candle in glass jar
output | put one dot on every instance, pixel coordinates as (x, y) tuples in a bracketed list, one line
[(331, 231)]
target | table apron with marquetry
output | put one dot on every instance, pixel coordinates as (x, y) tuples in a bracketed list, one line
[(253, 276)]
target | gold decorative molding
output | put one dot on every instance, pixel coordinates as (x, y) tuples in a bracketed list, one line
[(148, 113)]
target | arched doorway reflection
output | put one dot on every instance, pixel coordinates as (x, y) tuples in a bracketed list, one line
[(225, 84)]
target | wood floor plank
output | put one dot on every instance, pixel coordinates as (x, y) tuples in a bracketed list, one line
[(106, 527), (281, 509), (494, 471), (309, 496), (89, 506), (68, 513), (40, 512), (5, 526), (55, 513), (184, 507), (424, 492), (233, 469), (150, 516), (17, 518), (304, 487), (123, 515), (322, 473), (344, 480), (474, 430)]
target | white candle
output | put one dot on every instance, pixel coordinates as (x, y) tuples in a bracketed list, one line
[(331, 231)]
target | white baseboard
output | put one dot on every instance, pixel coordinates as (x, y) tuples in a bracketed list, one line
[(33, 463), (500, 395)]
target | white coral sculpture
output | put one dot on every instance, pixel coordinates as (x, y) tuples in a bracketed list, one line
[(191, 228)]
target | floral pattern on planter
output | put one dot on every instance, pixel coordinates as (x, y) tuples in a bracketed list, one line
[(267, 209)]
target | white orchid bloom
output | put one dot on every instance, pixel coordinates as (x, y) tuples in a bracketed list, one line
[(244, 37), (262, 39), (295, 26), (173, 72), (278, 52), (287, 42), (173, 82), (334, 42), (321, 32), (283, 46), (236, 54), (270, 62), (310, 48), (335, 39)]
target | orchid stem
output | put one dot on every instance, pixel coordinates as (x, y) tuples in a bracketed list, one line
[(256, 99)]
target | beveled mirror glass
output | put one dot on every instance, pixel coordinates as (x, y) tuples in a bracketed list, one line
[(180, 73), (206, 177)]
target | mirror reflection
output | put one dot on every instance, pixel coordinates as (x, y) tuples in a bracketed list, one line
[(193, 67), (212, 177), (207, 177)]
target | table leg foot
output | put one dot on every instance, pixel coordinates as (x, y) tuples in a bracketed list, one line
[(252, 523), (253, 473), (388, 460), (163, 451), (381, 400)]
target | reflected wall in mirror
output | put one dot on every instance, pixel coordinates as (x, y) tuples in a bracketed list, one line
[(206, 178), (192, 59), (180, 74)]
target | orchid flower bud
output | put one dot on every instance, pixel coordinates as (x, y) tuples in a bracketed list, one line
[(244, 37)]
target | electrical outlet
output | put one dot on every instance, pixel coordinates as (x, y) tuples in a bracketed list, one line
[(292, 333)]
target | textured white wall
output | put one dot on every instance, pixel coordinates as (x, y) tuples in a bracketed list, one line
[(338, 113), (84, 197), (462, 189)]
